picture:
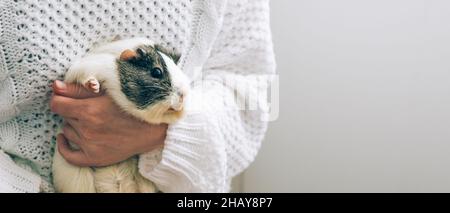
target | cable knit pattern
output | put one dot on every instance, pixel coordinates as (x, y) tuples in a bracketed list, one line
[(217, 39)]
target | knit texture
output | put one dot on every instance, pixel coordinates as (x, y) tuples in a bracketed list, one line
[(217, 39)]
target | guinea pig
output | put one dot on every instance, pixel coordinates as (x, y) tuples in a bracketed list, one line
[(143, 79)]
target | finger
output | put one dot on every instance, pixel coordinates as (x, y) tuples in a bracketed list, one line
[(72, 90), (75, 123), (75, 157), (71, 134), (72, 121), (66, 107)]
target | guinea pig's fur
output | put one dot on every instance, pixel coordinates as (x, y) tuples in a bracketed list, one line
[(129, 81), (143, 80)]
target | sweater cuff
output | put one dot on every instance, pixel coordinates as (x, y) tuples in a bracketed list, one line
[(172, 169), (193, 158)]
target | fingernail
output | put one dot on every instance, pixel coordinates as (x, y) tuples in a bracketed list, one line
[(60, 85)]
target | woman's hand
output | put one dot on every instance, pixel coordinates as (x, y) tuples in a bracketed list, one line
[(104, 133)]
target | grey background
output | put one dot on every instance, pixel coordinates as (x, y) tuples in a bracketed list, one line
[(365, 98)]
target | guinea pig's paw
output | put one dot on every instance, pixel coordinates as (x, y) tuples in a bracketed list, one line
[(92, 84)]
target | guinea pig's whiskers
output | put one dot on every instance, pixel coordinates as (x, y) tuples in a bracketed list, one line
[(156, 87), (161, 96)]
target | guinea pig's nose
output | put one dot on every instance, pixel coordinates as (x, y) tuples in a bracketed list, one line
[(177, 101)]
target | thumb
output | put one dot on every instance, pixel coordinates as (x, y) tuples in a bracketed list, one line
[(72, 90)]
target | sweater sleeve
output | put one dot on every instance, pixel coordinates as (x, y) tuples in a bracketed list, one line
[(222, 130)]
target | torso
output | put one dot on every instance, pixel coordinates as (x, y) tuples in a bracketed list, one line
[(41, 38)]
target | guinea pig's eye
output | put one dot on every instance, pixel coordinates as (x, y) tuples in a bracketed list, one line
[(157, 73)]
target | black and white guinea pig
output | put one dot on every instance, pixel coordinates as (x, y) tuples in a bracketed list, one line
[(143, 80), (141, 77)]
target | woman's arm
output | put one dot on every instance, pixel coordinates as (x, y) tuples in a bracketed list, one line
[(215, 142)]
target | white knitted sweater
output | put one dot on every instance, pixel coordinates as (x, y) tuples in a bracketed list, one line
[(217, 39)]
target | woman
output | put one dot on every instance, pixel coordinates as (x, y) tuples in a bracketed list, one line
[(218, 40)]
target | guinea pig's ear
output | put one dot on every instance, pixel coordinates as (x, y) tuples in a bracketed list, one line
[(175, 56), (128, 55), (141, 52)]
